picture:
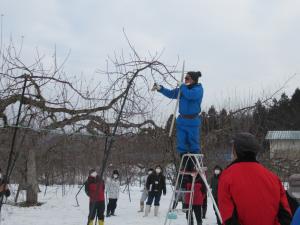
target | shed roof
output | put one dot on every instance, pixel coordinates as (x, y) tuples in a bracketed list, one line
[(283, 135)]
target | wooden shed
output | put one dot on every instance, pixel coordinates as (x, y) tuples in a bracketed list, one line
[(284, 144)]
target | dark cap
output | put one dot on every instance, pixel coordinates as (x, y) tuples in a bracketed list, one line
[(246, 142), (194, 75), (116, 172), (218, 167), (158, 166)]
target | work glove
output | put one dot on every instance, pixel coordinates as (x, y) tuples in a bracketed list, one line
[(156, 87)]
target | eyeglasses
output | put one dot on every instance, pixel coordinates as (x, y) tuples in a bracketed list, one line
[(187, 78)]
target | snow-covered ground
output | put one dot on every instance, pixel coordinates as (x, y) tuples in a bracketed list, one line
[(62, 210)]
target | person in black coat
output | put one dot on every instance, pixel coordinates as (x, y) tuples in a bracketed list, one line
[(293, 191), (293, 203), (214, 187), (155, 185)]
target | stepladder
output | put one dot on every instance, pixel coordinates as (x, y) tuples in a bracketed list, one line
[(190, 176)]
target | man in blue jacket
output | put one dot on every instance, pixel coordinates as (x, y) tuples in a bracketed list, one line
[(188, 122)]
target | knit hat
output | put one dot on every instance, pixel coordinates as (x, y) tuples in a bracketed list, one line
[(116, 172), (246, 142), (91, 171), (194, 75)]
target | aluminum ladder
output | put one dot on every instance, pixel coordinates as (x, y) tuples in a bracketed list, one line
[(199, 169)]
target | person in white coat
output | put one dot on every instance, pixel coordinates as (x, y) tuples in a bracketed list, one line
[(144, 195), (112, 190)]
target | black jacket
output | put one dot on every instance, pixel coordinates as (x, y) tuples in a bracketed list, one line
[(292, 202), (214, 186), (156, 182)]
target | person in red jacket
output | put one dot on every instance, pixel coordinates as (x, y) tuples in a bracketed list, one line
[(197, 201), (248, 193), (94, 188)]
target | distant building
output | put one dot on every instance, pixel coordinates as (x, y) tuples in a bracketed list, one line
[(284, 144)]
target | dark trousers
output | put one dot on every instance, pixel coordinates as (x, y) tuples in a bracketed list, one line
[(153, 195), (197, 210), (111, 206), (96, 207), (204, 207)]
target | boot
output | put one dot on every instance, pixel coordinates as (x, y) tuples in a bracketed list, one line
[(147, 210), (91, 222), (141, 207), (156, 210), (112, 212), (101, 222)]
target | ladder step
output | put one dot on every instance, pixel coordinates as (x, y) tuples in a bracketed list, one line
[(203, 169), (193, 155), (178, 191)]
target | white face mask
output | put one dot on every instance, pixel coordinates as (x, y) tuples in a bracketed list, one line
[(149, 172), (115, 176), (94, 174), (217, 172), (158, 170)]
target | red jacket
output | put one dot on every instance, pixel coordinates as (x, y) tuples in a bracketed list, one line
[(252, 194), (198, 195), (91, 186)]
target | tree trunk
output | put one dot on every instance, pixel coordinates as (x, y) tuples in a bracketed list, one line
[(32, 185)]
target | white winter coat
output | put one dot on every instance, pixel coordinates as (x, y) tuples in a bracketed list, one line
[(113, 188)]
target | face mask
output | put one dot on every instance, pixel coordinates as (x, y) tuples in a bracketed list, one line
[(187, 80), (157, 170), (149, 172), (217, 172), (115, 176), (94, 174)]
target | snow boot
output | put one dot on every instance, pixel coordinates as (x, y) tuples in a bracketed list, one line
[(156, 210), (147, 210), (91, 222), (101, 222), (141, 207)]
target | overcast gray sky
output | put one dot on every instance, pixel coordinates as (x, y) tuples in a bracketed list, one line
[(242, 47)]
